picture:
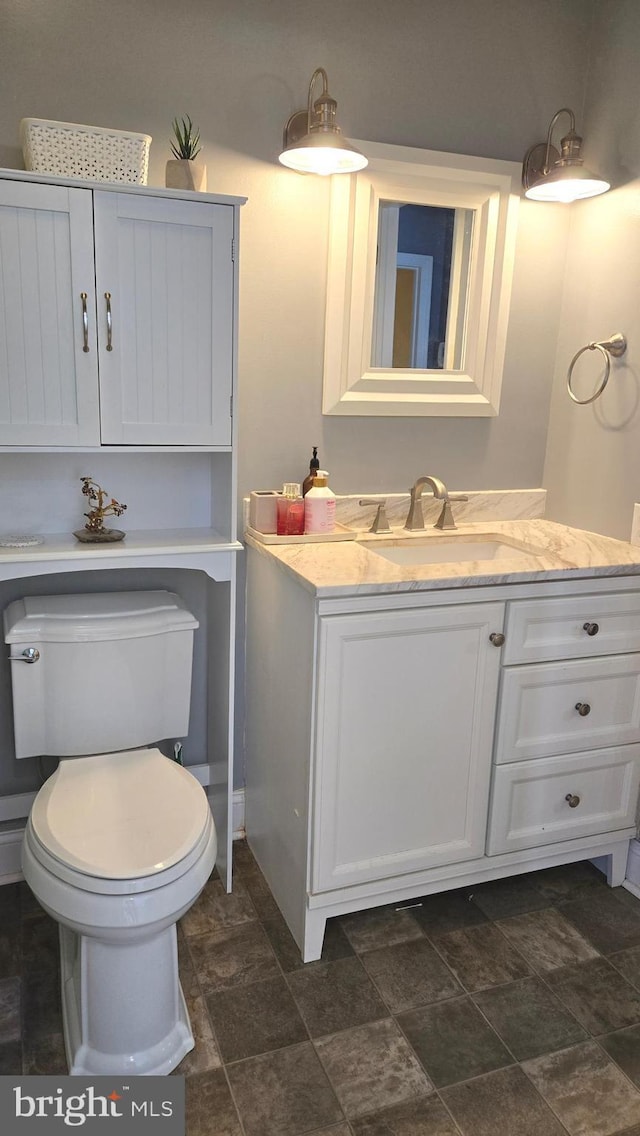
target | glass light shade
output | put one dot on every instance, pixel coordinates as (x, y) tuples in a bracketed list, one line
[(323, 154), (567, 185)]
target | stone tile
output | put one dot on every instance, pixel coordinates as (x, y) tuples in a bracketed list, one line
[(285, 1093), (28, 903), (453, 1041), (335, 944), (243, 859), (481, 957), (606, 922), (500, 1104), (426, 1116), (44, 1055), (410, 974), (208, 1101), (9, 904), (216, 910), (512, 896), (528, 1018), (546, 939), (205, 1055), (448, 911), (41, 1005), (372, 1068), (624, 1048), (568, 881), (41, 944), (255, 1019), (587, 1092), (335, 1130), (601, 999), (10, 950), (379, 927), (335, 996), (233, 958), (628, 963), (10, 1018), (10, 1058)]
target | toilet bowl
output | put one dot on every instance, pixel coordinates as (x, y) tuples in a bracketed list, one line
[(119, 844), (117, 901)]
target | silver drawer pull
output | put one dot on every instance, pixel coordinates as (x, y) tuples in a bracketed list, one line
[(85, 323), (583, 709), (497, 638), (591, 628), (29, 655), (572, 800), (107, 297)]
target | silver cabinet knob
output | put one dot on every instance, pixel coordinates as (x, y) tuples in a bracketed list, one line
[(572, 800), (591, 628), (583, 709), (497, 638)]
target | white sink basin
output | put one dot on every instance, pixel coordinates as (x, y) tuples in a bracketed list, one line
[(410, 551)]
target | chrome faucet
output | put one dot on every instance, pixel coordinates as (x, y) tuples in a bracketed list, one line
[(415, 518)]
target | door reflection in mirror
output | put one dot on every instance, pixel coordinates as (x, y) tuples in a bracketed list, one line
[(422, 286)]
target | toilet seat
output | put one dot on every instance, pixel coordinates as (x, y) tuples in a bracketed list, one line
[(158, 818)]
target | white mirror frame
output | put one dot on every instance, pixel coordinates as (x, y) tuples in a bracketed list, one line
[(424, 177)]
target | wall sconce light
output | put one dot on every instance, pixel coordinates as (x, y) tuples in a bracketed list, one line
[(313, 142), (551, 176)]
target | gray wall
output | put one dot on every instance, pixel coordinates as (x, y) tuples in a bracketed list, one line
[(592, 469), (471, 76)]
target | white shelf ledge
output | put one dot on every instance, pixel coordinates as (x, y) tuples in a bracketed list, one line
[(201, 549)]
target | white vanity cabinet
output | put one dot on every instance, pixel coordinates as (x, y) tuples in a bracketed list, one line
[(116, 317), (405, 715), (404, 743)]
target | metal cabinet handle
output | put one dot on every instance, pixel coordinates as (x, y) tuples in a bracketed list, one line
[(497, 638), (591, 628), (572, 800), (107, 297), (85, 322), (583, 709), (29, 655)]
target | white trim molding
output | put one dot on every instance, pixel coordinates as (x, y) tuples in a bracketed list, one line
[(632, 880)]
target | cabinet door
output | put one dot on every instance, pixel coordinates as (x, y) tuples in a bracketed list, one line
[(165, 268), (48, 382), (405, 717)]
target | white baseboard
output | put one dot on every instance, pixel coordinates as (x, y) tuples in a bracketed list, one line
[(632, 881), (238, 814), (10, 846)]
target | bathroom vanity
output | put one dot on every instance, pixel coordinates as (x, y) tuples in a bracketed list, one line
[(413, 728)]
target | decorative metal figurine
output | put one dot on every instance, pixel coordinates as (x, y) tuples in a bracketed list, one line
[(94, 532)]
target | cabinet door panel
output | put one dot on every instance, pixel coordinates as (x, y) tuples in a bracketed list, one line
[(405, 717), (168, 270), (48, 384)]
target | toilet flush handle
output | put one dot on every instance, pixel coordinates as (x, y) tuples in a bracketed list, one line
[(29, 655)]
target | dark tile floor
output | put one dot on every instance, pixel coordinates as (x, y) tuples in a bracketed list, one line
[(511, 1009)]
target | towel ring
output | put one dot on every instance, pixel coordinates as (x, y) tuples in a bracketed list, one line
[(615, 346)]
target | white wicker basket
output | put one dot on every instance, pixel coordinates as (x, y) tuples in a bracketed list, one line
[(91, 153)]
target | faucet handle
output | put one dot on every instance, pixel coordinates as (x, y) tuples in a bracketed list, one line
[(380, 522), (445, 520)]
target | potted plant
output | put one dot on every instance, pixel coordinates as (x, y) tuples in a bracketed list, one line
[(183, 172)]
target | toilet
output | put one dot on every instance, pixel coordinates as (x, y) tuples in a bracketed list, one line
[(120, 840)]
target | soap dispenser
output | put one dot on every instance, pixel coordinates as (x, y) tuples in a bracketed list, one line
[(314, 466), (320, 506)]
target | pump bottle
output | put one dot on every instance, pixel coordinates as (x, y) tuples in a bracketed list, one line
[(320, 506)]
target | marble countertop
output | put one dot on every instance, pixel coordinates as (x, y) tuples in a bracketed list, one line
[(551, 552)]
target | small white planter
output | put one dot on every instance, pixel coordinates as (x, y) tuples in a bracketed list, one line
[(184, 174)]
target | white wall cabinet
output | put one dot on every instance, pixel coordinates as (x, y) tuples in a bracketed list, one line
[(116, 318), (391, 753)]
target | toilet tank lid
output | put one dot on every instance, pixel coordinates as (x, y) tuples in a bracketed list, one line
[(100, 616)]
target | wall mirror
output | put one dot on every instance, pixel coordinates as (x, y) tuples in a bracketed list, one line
[(421, 251)]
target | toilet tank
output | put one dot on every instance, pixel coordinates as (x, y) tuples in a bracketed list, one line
[(113, 671)]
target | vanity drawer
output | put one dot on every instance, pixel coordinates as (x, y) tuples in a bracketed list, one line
[(572, 627), (554, 708), (529, 804)]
